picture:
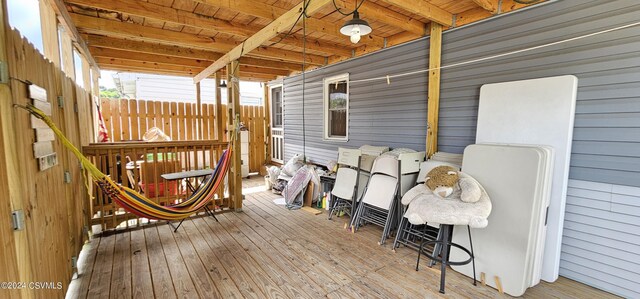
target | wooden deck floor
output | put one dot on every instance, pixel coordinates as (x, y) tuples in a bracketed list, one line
[(268, 251)]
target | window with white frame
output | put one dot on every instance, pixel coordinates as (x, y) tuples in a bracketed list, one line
[(336, 107)]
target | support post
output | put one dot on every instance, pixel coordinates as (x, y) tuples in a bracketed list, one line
[(233, 89), (219, 125), (433, 103), (199, 110), (267, 123)]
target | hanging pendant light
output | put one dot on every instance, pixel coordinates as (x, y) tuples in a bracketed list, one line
[(355, 28), (223, 84)]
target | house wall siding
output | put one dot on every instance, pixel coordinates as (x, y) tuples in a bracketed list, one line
[(379, 114), (601, 241), (606, 139), (606, 136)]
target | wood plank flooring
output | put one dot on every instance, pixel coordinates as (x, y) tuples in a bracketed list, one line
[(268, 251)]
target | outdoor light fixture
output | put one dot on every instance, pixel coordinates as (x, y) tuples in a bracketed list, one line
[(355, 28), (223, 84)]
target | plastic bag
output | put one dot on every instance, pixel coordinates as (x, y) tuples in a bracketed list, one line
[(292, 166), (273, 172), (155, 134)]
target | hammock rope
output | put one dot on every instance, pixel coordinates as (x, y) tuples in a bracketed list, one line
[(135, 202)]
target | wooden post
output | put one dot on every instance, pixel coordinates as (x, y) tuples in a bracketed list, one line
[(219, 125), (229, 117), (433, 103), (267, 124), (199, 110), (233, 89)]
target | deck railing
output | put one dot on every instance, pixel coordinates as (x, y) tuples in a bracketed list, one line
[(139, 165), (129, 119)]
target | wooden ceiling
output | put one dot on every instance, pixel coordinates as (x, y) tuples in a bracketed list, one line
[(183, 37)]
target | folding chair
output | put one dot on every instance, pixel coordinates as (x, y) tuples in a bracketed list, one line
[(344, 194), (378, 204)]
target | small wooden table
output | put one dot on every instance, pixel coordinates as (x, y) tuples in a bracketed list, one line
[(186, 175)]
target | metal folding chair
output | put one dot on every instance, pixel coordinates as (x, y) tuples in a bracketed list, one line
[(344, 192), (378, 204)]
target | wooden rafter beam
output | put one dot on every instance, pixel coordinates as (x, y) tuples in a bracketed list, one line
[(488, 5), (149, 47), (181, 17), (137, 56), (425, 9), (158, 68), (103, 42), (375, 12), (119, 29), (243, 77), (123, 55), (400, 38), (270, 12), (65, 20), (152, 63), (281, 24)]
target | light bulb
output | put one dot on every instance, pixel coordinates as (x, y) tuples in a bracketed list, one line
[(355, 38), (355, 34)]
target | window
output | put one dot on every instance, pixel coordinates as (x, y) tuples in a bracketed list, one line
[(336, 107), (60, 48), (77, 62)]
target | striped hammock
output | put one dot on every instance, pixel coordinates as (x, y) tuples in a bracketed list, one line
[(135, 202)]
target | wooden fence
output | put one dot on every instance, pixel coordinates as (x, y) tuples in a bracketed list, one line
[(128, 120), (53, 200)]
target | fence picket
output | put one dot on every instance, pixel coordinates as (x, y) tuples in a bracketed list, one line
[(128, 120)]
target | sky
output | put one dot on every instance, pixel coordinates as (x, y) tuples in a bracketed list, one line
[(24, 15), (106, 79)]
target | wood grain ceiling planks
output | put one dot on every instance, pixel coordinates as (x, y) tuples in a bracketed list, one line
[(216, 26)]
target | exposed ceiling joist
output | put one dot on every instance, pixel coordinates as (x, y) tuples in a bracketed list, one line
[(66, 22), (118, 68), (279, 25), (400, 38), (425, 9), (180, 17), (151, 48), (124, 55), (270, 12), (144, 33), (103, 42), (247, 70), (489, 5), (137, 56)]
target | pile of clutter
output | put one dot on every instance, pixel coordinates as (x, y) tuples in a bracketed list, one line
[(292, 180)]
